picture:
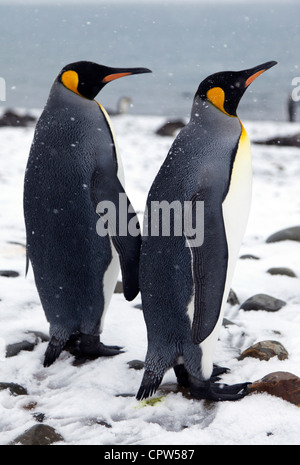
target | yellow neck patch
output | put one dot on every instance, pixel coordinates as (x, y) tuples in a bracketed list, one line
[(70, 80), (216, 96)]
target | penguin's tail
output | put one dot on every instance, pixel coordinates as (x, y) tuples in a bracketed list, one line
[(149, 385), (158, 361), (54, 349)]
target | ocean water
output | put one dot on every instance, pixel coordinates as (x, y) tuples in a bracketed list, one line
[(181, 44)]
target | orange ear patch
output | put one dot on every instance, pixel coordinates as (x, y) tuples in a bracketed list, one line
[(216, 96), (70, 80)]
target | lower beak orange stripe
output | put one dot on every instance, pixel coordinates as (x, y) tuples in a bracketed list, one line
[(112, 77), (253, 77)]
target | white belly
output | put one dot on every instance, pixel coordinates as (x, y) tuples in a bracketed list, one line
[(109, 282), (236, 207)]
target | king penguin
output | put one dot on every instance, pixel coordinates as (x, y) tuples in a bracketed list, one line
[(73, 165), (185, 280)]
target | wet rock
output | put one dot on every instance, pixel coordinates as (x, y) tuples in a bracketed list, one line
[(282, 141), (227, 323), (168, 388), (97, 421), (9, 273), (288, 234), (14, 349), (30, 406), (265, 350), (282, 271), (280, 384), (170, 127), (14, 389), (136, 364), (249, 257), (263, 302), (39, 417), (13, 119), (232, 298), (38, 435)]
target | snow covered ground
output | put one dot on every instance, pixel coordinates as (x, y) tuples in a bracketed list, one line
[(86, 404)]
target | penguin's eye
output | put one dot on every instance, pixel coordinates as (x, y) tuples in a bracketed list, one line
[(237, 84)]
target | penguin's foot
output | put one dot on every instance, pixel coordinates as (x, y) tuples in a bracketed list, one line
[(217, 392), (183, 376), (217, 371), (91, 347), (54, 349)]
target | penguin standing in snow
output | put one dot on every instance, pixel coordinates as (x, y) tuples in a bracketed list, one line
[(73, 165), (185, 280)]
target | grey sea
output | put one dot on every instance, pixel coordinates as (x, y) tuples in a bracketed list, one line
[(180, 43)]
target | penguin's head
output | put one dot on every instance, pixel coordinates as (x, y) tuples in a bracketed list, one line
[(225, 89), (87, 79)]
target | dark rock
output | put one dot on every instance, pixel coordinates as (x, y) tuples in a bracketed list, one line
[(265, 350), (227, 322), (249, 257), (263, 302), (39, 417), (282, 141), (9, 273), (288, 234), (11, 118), (38, 435), (30, 406), (14, 389), (282, 271), (167, 388), (119, 288), (280, 384), (14, 349), (169, 128), (40, 337), (136, 364), (232, 298), (97, 421)]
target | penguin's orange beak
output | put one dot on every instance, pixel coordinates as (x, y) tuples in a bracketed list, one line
[(122, 72), (257, 71), (112, 77), (253, 77)]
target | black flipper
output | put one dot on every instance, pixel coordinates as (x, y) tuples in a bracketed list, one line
[(106, 193), (123, 225), (209, 267)]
